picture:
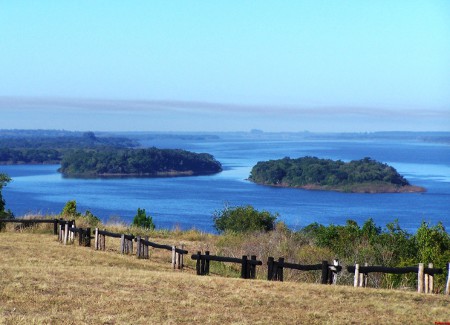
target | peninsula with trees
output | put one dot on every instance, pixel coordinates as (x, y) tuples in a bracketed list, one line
[(312, 173)]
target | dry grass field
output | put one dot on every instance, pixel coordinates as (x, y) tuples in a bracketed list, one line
[(44, 282)]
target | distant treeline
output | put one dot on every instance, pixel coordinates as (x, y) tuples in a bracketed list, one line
[(137, 162), (365, 175), (51, 149)]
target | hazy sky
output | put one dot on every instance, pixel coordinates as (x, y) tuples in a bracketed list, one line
[(225, 65)]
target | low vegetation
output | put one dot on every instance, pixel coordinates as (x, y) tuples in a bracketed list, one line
[(45, 282), (365, 175)]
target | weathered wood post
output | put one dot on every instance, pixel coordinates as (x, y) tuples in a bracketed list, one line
[(253, 267), (430, 279), (96, 243), (207, 261), (180, 259), (324, 272), (138, 247), (279, 269), (66, 233), (55, 226), (174, 257), (146, 249), (130, 246), (356, 278), (122, 244), (270, 262), (335, 271), (60, 234), (198, 266), (420, 278), (244, 267), (363, 277), (447, 287)]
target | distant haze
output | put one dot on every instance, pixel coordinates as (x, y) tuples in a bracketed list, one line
[(225, 65)]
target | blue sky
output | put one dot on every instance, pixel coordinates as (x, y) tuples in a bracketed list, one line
[(225, 65)]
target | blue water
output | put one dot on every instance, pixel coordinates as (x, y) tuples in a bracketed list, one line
[(189, 202)]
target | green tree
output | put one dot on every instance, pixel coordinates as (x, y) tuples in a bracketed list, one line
[(4, 214), (142, 220), (243, 219), (70, 209)]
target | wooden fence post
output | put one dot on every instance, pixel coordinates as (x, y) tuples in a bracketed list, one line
[(324, 272), (279, 269), (122, 244), (146, 249), (253, 267), (174, 257), (363, 277), (138, 246), (420, 278), (335, 271), (180, 260), (430, 279), (66, 233), (447, 287), (206, 269), (96, 239), (55, 226), (244, 267), (270, 262), (356, 278), (198, 266)]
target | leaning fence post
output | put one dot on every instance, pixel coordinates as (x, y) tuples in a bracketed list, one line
[(356, 278), (324, 272), (420, 278)]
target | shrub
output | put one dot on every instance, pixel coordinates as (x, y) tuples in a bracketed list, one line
[(142, 220), (243, 219)]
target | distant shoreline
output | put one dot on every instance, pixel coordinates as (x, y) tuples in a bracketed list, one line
[(363, 188)]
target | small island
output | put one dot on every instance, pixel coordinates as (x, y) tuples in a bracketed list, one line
[(312, 173), (151, 162)]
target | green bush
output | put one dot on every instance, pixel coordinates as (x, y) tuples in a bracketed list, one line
[(243, 219), (142, 220)]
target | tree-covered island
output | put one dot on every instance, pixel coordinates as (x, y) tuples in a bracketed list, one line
[(151, 162), (357, 176)]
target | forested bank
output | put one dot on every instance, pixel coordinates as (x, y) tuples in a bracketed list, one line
[(365, 175)]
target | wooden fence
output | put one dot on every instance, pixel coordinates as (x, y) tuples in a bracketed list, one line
[(66, 231), (142, 245), (248, 266), (26, 223), (329, 271), (425, 280)]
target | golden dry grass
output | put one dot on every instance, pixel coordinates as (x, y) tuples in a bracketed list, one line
[(44, 282)]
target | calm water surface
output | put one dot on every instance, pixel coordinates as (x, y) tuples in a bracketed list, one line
[(189, 202)]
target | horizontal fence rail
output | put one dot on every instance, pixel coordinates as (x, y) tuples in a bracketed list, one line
[(425, 275), (329, 271), (248, 266)]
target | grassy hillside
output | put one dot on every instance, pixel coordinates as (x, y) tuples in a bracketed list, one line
[(43, 281)]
